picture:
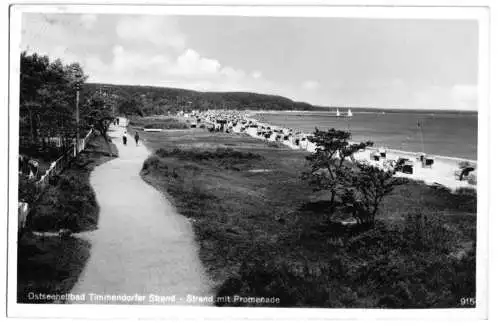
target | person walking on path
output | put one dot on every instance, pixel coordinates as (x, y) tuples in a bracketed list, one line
[(125, 138), (136, 138)]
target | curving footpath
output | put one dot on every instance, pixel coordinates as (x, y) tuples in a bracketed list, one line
[(143, 251)]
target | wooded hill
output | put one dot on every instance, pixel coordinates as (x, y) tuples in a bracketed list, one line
[(150, 100), (147, 100)]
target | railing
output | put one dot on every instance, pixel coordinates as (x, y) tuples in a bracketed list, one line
[(55, 169)]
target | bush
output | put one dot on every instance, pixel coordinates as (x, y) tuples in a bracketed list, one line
[(27, 189), (466, 192), (219, 154), (429, 233), (162, 124), (71, 204), (151, 163), (46, 154)]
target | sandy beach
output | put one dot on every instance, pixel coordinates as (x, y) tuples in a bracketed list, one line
[(443, 171)]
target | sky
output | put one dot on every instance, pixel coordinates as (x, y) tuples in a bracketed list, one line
[(386, 63)]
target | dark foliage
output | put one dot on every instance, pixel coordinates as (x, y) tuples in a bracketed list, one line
[(27, 189), (364, 190), (328, 171), (52, 264), (148, 100), (47, 99), (49, 265), (356, 189), (97, 111), (225, 157), (268, 234)]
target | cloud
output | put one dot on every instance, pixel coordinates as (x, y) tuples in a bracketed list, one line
[(190, 63), (64, 54), (256, 74), (310, 85), (88, 20), (188, 70), (159, 31)]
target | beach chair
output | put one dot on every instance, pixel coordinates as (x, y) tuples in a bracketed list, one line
[(375, 156), (465, 172), (400, 163), (427, 162), (383, 153), (407, 167)]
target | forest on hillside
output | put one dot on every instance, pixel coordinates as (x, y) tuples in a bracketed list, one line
[(148, 100)]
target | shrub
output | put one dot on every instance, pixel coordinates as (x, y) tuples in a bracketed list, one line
[(466, 192), (71, 204), (27, 189), (328, 169), (165, 124), (219, 154), (428, 232), (151, 163)]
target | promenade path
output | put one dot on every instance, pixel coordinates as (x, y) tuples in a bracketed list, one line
[(142, 246)]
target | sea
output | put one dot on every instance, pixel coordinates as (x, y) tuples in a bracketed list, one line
[(444, 133)]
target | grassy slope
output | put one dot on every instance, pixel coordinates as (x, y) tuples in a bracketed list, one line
[(158, 123), (266, 233), (52, 265)]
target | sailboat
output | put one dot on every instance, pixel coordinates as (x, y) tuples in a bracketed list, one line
[(349, 113), (338, 113)]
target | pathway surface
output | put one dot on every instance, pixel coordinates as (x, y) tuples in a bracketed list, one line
[(142, 246)]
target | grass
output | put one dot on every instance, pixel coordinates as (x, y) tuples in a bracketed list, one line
[(268, 234), (52, 264), (158, 123), (48, 265), (70, 202)]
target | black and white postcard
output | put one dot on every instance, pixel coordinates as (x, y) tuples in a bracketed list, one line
[(222, 161)]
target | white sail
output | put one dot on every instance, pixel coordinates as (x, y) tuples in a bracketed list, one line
[(338, 113), (349, 113)]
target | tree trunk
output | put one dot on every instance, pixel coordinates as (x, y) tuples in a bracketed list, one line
[(104, 132), (332, 201), (31, 127), (108, 145)]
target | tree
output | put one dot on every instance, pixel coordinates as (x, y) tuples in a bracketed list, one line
[(131, 106), (97, 112), (47, 98), (367, 187), (328, 169)]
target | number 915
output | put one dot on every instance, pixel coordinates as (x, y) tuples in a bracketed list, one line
[(467, 301)]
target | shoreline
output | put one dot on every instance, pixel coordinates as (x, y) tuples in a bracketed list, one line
[(367, 111), (444, 171), (442, 157), (404, 152)]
